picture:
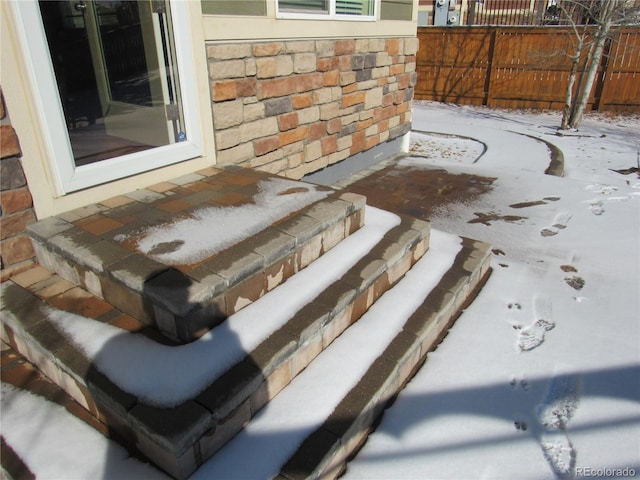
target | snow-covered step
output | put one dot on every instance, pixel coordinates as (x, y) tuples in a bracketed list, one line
[(186, 254), (180, 404), (325, 414)]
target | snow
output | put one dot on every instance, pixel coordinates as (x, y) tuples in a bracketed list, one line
[(55, 444), (539, 377), (212, 229)]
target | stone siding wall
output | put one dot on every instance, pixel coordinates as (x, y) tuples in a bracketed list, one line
[(295, 107), (16, 205)]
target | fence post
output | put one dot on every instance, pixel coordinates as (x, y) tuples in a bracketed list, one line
[(471, 13), (487, 82)]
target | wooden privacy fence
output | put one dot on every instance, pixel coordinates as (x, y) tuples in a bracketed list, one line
[(522, 67)]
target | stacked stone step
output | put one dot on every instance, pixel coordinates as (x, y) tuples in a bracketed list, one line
[(181, 438), (163, 433), (94, 248)]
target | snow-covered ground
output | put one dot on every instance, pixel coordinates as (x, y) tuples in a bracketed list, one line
[(540, 376)]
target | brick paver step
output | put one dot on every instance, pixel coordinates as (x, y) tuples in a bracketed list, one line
[(184, 255), (180, 437), (325, 415), (351, 394)]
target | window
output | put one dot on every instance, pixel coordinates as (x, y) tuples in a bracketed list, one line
[(328, 9)]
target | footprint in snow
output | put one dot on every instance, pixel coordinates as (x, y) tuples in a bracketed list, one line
[(523, 383), (559, 223), (560, 454), (596, 208), (559, 405), (532, 336)]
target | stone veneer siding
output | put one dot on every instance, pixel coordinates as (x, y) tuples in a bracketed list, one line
[(16, 204), (296, 107)]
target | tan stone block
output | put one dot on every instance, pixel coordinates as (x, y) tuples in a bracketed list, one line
[(347, 78), (237, 154), (325, 48), (253, 111), (266, 67), (383, 59), (309, 252), (292, 148), (226, 69), (276, 167), (338, 324), (228, 51), (258, 129), (377, 44), (300, 46), (332, 236), (304, 62), (345, 142), (306, 353), (322, 95), (264, 159), (310, 115), (329, 111), (373, 98), (227, 138), (228, 114), (362, 45), (380, 72), (313, 151), (339, 156), (411, 46), (268, 49), (250, 67), (295, 160), (31, 276)]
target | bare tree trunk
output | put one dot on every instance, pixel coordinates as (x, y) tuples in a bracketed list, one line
[(604, 25), (568, 99)]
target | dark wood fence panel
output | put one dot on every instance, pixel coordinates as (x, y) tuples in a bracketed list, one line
[(620, 90), (521, 67)]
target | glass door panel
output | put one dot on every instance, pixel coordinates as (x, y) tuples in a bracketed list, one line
[(115, 69)]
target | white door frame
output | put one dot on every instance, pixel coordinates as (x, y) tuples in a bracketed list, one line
[(69, 177)]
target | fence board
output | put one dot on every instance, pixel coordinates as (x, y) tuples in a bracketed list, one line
[(521, 67)]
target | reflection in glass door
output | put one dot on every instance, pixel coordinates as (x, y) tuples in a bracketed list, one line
[(114, 63)]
